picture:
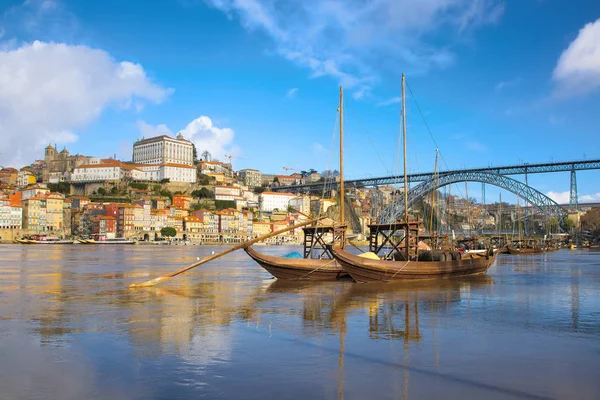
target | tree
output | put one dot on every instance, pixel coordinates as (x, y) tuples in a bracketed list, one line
[(102, 191), (569, 224), (166, 180), (276, 180), (60, 187), (195, 153), (206, 155), (114, 190), (202, 193), (168, 231)]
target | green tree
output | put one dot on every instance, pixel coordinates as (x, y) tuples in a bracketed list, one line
[(569, 224), (276, 180), (166, 180), (168, 231), (202, 193), (114, 190), (60, 187), (195, 153), (102, 191)]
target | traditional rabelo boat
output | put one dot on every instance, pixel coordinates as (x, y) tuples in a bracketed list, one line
[(317, 261), (388, 260), (525, 247), (397, 255)]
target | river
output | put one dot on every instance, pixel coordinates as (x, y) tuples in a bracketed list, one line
[(71, 329)]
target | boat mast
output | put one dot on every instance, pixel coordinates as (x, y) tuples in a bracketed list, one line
[(468, 208), (433, 193), (406, 238), (404, 146), (342, 156)]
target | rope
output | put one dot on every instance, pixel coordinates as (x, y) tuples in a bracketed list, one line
[(400, 269), (428, 129), (316, 269)]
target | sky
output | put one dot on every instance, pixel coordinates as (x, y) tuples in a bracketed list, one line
[(491, 82)]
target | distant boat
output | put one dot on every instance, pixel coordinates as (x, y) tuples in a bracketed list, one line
[(525, 247), (42, 239), (104, 240)]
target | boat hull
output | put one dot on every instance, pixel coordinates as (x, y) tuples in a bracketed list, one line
[(535, 250), (366, 270), (298, 268)]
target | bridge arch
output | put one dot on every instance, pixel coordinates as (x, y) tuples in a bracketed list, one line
[(542, 202)]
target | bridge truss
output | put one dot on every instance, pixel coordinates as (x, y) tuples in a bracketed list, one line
[(543, 203), (523, 169)]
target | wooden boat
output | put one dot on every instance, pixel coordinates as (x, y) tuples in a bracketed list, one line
[(525, 250), (363, 269), (397, 255), (529, 246), (317, 262), (298, 268)]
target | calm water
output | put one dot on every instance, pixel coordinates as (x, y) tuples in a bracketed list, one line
[(70, 329)]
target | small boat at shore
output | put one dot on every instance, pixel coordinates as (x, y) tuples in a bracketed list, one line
[(104, 240), (42, 239)]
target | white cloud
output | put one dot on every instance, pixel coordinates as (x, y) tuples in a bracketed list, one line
[(589, 198), (202, 132), (565, 197), (147, 130), (560, 197), (291, 93), (504, 84), (354, 40), (50, 90), (318, 148), (578, 69), (388, 102)]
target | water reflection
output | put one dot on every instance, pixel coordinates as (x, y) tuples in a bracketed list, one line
[(230, 319)]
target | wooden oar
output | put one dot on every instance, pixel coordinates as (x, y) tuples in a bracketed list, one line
[(214, 256)]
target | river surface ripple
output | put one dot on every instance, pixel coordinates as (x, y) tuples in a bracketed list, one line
[(70, 329)]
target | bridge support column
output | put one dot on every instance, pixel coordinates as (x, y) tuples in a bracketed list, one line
[(573, 201)]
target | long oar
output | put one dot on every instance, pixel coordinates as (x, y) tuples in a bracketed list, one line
[(214, 256)]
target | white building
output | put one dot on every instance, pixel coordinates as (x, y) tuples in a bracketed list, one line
[(112, 170), (107, 170), (228, 193), (163, 150), (269, 201), (301, 203)]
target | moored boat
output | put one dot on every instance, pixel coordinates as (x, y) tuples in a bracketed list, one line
[(396, 251), (104, 240), (42, 239), (298, 268), (389, 261), (317, 261)]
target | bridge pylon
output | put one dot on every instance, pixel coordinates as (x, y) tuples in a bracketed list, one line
[(573, 199)]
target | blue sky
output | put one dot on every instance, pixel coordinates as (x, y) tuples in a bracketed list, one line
[(498, 82)]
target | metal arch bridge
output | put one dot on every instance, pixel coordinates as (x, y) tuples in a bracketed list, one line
[(542, 202), (522, 169)]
